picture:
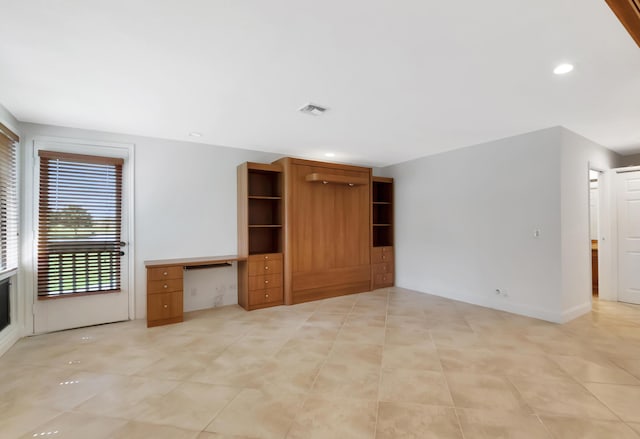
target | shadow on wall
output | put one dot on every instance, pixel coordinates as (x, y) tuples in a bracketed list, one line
[(631, 160)]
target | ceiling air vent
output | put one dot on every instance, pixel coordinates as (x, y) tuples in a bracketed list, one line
[(312, 109)]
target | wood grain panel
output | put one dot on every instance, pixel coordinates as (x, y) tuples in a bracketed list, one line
[(265, 281), (164, 286), (164, 308), (264, 267), (266, 257), (327, 236), (264, 296), (385, 267), (331, 277), (334, 291), (381, 254), (163, 273), (628, 12)]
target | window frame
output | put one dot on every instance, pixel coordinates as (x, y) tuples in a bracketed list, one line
[(8, 269), (75, 165), (75, 146)]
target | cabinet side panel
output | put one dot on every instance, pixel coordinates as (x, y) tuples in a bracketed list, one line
[(243, 207), (243, 287)]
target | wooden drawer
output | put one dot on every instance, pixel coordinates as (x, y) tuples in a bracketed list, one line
[(382, 280), (164, 286), (266, 257), (381, 254), (384, 267), (164, 306), (164, 273), (264, 296), (265, 281), (262, 267)]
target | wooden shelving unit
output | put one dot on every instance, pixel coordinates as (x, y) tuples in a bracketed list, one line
[(382, 257), (260, 223)]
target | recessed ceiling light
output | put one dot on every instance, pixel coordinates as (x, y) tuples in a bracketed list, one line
[(330, 154), (563, 69), (195, 134)]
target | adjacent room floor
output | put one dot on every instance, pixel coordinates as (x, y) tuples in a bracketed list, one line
[(387, 364)]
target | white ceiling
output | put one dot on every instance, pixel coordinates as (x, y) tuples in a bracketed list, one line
[(402, 78)]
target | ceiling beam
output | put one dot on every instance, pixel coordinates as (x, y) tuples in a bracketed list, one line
[(628, 12)]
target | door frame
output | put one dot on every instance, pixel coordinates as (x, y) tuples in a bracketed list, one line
[(78, 146), (614, 193), (609, 266)]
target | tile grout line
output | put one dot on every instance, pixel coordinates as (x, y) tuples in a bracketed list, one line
[(309, 393), (384, 343)]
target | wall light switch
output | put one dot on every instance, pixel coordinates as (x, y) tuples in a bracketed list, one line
[(536, 233)]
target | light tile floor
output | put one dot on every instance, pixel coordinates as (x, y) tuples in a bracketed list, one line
[(388, 364)]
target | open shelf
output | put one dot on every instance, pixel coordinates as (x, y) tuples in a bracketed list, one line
[(264, 184), (382, 212), (265, 211), (264, 214), (265, 240)]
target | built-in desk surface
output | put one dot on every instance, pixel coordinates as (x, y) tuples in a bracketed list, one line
[(194, 262), (165, 285)]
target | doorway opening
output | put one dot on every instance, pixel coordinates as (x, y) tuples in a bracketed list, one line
[(594, 214)]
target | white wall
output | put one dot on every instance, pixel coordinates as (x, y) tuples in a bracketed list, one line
[(577, 157), (465, 223), (10, 334), (185, 206)]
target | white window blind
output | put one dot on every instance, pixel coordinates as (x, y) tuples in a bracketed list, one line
[(8, 200), (80, 209)]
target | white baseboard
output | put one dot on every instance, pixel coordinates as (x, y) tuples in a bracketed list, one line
[(575, 312), (511, 307)]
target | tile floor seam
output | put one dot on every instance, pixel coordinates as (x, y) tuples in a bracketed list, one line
[(222, 409), (309, 394), (384, 343), (455, 408), (551, 435), (598, 399)]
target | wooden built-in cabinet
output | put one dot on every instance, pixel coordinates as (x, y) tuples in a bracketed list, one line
[(260, 235), (382, 258), (312, 230), (164, 295), (165, 285), (327, 222)]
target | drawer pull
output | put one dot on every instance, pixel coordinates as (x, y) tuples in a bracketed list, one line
[(266, 281), (266, 268), (165, 273), (266, 257), (384, 257), (165, 286), (266, 296), (165, 306)]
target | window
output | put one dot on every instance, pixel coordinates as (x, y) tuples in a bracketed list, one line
[(8, 200), (80, 208)]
